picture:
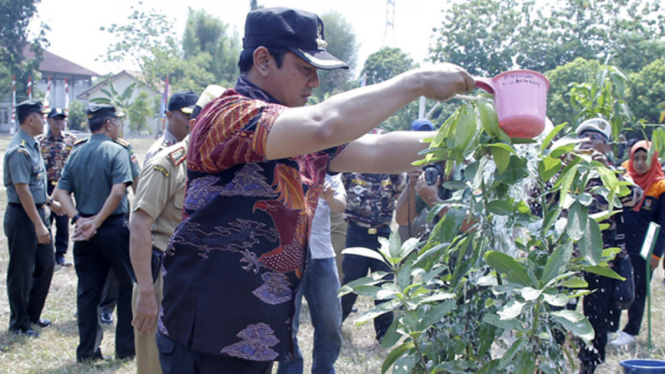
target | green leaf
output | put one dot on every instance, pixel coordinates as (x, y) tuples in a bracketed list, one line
[(574, 322), (495, 320), (511, 310), (591, 243), (395, 354), (548, 167), (575, 282), (510, 354), (559, 300), (501, 158), (556, 263), (585, 199), (392, 336), (488, 118), (500, 207), (602, 270), (530, 294), (577, 221), (435, 314), (551, 135), (505, 264), (365, 252)]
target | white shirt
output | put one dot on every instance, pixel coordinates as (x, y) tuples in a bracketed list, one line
[(320, 244)]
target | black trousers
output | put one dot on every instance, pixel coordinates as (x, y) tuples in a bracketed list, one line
[(600, 311), (107, 251), (61, 228), (176, 358), (356, 267), (30, 268), (636, 310)]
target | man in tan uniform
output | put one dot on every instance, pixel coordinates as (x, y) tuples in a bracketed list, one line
[(157, 211)]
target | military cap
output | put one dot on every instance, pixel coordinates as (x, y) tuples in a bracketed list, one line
[(183, 101), (298, 31), (30, 106), (598, 125), (103, 110), (57, 112)]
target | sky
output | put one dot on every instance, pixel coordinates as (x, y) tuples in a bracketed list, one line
[(76, 36)]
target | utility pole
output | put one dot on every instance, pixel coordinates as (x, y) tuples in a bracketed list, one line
[(389, 31)]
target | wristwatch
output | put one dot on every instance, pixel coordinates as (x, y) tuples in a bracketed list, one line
[(76, 218)]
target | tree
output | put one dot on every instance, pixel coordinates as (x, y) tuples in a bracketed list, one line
[(77, 116), (647, 91), (559, 107), (205, 34), (383, 65), (478, 35), (623, 33), (148, 40), (341, 44), (137, 107), (490, 36), (15, 17)]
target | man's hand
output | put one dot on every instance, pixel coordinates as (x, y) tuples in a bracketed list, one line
[(327, 193), (429, 194), (145, 315), (444, 81), (43, 236), (57, 209), (654, 263), (86, 228), (414, 175)]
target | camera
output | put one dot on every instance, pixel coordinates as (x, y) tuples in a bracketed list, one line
[(433, 173)]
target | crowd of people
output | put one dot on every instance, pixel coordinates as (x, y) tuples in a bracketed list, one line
[(237, 210)]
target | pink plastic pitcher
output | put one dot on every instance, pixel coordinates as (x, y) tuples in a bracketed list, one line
[(520, 99)]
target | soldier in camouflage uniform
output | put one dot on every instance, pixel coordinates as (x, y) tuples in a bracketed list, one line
[(55, 146)]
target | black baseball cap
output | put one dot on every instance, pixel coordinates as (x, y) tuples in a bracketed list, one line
[(57, 112), (183, 101), (103, 110), (30, 106), (299, 31)]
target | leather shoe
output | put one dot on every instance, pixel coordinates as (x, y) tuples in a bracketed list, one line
[(30, 333), (42, 322), (60, 260), (106, 318)]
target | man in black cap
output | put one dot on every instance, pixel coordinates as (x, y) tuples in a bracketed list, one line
[(256, 167), (55, 146), (30, 267), (98, 173), (180, 109)]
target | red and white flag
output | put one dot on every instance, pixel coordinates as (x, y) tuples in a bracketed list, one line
[(47, 96), (30, 88), (66, 103), (13, 124)]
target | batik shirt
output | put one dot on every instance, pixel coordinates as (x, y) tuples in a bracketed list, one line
[(371, 198), (55, 151), (233, 265)]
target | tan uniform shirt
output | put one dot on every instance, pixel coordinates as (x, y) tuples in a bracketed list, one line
[(161, 191)]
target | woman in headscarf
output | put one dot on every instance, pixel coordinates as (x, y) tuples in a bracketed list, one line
[(650, 177)]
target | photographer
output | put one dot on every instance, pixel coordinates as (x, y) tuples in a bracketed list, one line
[(423, 192)]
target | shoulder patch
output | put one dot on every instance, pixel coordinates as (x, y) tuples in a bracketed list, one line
[(81, 141), (122, 142), (178, 156), (23, 151), (23, 144), (161, 169)]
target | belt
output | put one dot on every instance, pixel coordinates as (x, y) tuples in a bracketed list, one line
[(38, 206), (370, 230)]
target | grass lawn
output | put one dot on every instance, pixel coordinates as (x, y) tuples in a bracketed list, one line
[(54, 351)]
